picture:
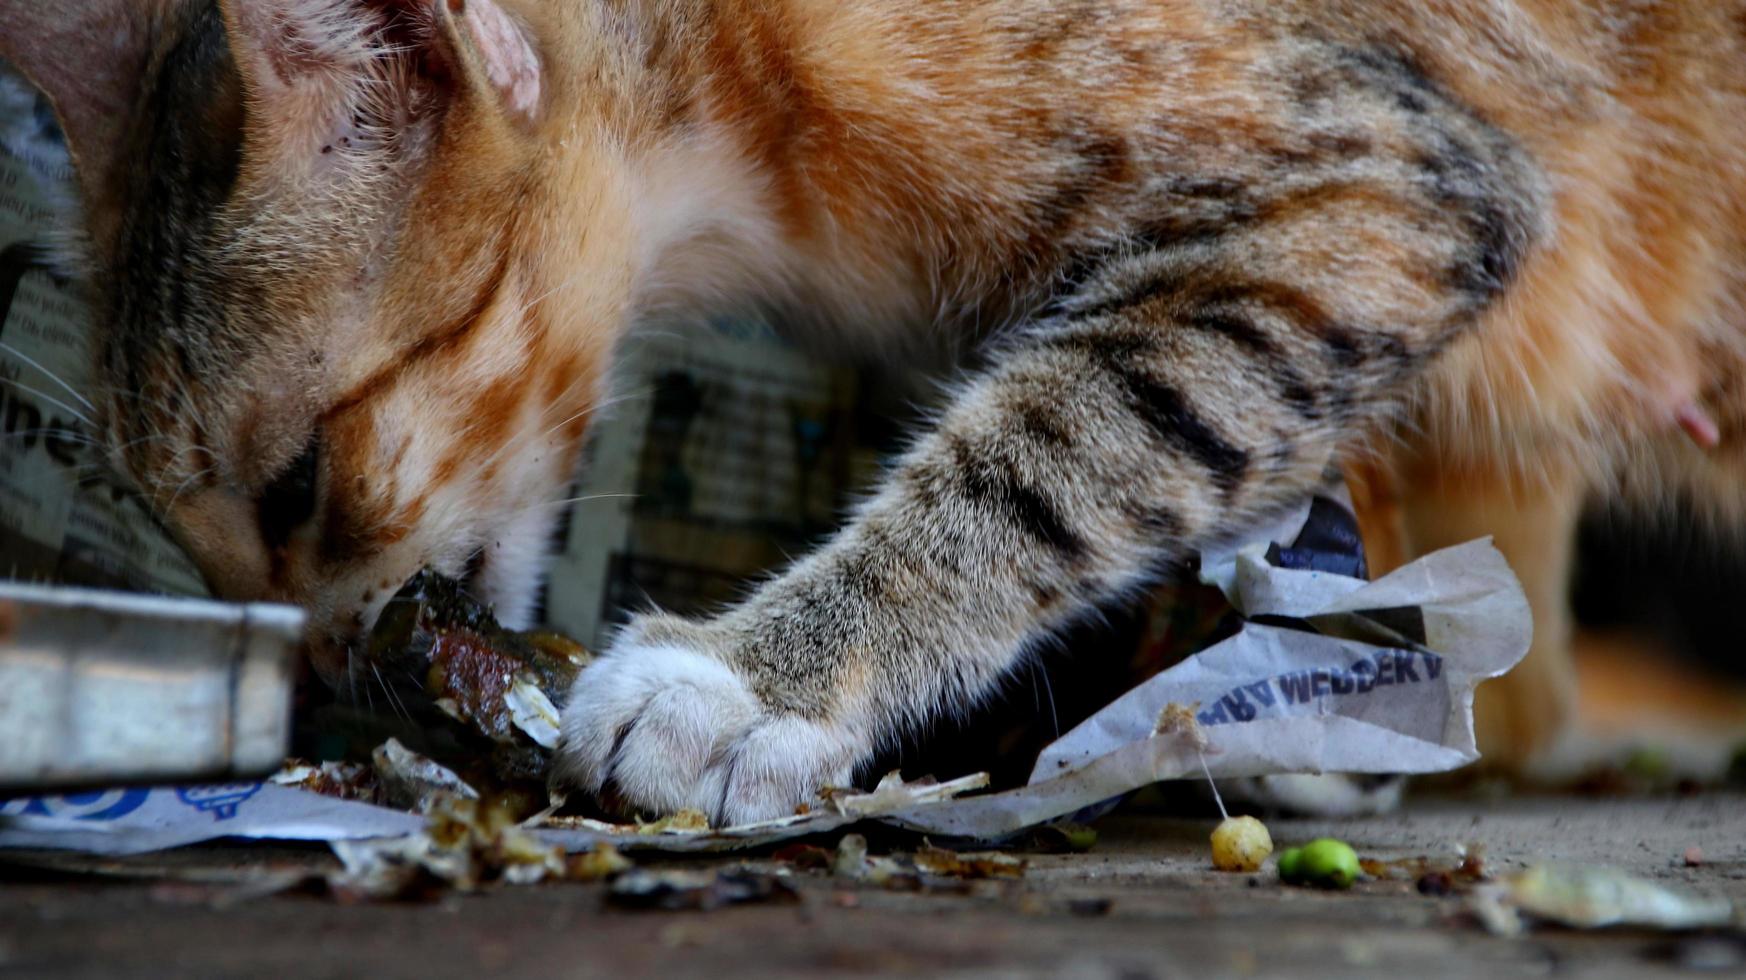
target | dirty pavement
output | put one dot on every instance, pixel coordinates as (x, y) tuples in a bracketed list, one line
[(1143, 901)]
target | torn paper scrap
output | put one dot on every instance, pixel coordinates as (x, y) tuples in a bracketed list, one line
[(135, 821), (1278, 700)]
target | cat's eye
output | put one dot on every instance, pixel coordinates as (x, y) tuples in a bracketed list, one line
[(289, 500)]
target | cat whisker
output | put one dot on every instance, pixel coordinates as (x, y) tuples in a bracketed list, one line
[(52, 400), (548, 294), (26, 358), (175, 460), (1048, 687), (184, 485), (122, 448), (135, 397), (70, 435), (393, 699), (572, 500), (526, 438)]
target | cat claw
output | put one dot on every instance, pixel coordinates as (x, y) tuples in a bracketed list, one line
[(668, 728)]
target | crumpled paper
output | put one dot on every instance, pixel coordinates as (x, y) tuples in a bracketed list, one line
[(1273, 699), (1330, 673)]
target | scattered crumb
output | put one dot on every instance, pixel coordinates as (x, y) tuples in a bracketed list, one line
[(1178, 721), (1241, 844), (683, 822)]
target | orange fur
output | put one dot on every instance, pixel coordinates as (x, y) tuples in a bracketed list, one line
[(440, 265)]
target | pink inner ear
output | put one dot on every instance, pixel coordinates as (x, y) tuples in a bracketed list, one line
[(510, 60), (291, 42), (88, 56)]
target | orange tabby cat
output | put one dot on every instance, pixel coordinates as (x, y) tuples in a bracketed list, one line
[(361, 264)]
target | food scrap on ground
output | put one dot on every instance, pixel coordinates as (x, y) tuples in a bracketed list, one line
[(683, 822), (1322, 863), (1464, 867), (929, 868), (467, 845), (1593, 897), (1240, 844), (340, 780), (467, 708), (410, 781), (967, 864), (692, 890)]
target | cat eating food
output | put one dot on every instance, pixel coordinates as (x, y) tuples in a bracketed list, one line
[(361, 264)]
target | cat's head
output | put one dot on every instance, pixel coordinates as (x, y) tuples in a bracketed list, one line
[(340, 332)]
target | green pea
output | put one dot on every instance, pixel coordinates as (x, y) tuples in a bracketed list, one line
[(1329, 863), (1291, 865)]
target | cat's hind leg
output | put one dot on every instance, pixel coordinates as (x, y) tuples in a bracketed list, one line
[(1532, 520)]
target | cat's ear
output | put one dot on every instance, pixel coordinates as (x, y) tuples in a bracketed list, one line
[(497, 53), (314, 68), (88, 57)]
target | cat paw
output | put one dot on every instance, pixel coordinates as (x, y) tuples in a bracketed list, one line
[(1327, 795), (663, 727)]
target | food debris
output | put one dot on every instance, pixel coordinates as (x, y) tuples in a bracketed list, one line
[(683, 822), (468, 845), (1240, 844), (1323, 863), (1435, 884), (499, 685), (970, 864), (1178, 721), (1466, 868), (923, 870), (1694, 857), (598, 864), (892, 792), (1588, 897), (532, 711), (412, 782), (853, 862), (342, 780), (807, 857), (697, 891)]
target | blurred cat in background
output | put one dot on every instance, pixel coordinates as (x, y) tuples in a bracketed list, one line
[(360, 266)]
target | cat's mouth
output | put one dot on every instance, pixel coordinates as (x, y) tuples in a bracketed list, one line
[(346, 657)]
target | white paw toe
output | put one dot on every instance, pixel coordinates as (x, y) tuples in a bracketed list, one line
[(689, 701), (782, 763), (669, 728)]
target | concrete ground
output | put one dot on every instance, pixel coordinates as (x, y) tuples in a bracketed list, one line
[(1141, 903)]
